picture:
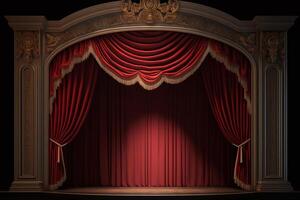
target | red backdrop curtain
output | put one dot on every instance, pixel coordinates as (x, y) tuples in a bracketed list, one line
[(149, 58), (69, 111), (230, 110), (165, 137)]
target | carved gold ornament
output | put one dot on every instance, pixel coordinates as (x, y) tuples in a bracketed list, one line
[(51, 42), (149, 11), (249, 41), (274, 48), (27, 45)]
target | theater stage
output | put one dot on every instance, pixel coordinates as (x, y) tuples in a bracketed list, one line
[(152, 191), (211, 193)]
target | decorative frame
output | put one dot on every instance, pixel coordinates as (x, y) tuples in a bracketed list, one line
[(263, 41)]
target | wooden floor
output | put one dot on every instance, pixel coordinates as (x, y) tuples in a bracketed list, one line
[(148, 194), (146, 191)]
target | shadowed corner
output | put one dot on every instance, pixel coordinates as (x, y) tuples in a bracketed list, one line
[(7, 110)]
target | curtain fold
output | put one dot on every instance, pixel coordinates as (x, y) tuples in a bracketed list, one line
[(150, 58), (69, 112), (167, 137), (235, 62), (230, 110)]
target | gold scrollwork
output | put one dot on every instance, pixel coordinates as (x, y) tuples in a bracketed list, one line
[(51, 42), (149, 11)]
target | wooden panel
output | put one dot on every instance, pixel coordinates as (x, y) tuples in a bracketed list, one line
[(27, 122), (272, 142)]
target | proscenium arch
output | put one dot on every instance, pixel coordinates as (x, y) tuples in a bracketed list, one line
[(38, 40), (196, 10)]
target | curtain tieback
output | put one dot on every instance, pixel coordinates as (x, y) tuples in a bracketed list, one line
[(240, 147), (59, 149)]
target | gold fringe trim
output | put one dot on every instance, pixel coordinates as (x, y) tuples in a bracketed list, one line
[(137, 79), (234, 69), (64, 178), (132, 81), (64, 72), (237, 181), (242, 185)]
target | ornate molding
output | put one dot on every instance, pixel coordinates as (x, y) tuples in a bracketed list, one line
[(183, 23), (128, 16), (273, 48), (28, 65), (149, 11), (51, 42), (27, 45), (249, 42)]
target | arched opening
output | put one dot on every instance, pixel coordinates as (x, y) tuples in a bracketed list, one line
[(262, 41), (232, 60)]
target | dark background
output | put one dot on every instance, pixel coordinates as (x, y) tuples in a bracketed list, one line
[(55, 10)]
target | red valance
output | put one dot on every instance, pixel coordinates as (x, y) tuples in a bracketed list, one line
[(150, 58)]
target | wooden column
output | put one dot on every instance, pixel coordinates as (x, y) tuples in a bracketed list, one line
[(28, 164), (272, 108)]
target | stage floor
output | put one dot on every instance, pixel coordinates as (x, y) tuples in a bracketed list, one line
[(153, 191), (205, 193)]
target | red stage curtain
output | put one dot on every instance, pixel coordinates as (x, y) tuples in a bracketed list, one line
[(64, 62), (167, 137), (69, 111), (235, 62), (153, 57), (150, 58), (230, 110)]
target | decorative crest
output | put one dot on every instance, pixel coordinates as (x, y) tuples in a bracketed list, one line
[(149, 11), (27, 45), (274, 47)]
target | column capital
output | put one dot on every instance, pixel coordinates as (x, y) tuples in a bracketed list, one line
[(22, 23)]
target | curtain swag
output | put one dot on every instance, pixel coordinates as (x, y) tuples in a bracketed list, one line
[(151, 58)]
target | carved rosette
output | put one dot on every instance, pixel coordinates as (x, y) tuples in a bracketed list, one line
[(27, 46), (273, 48)]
